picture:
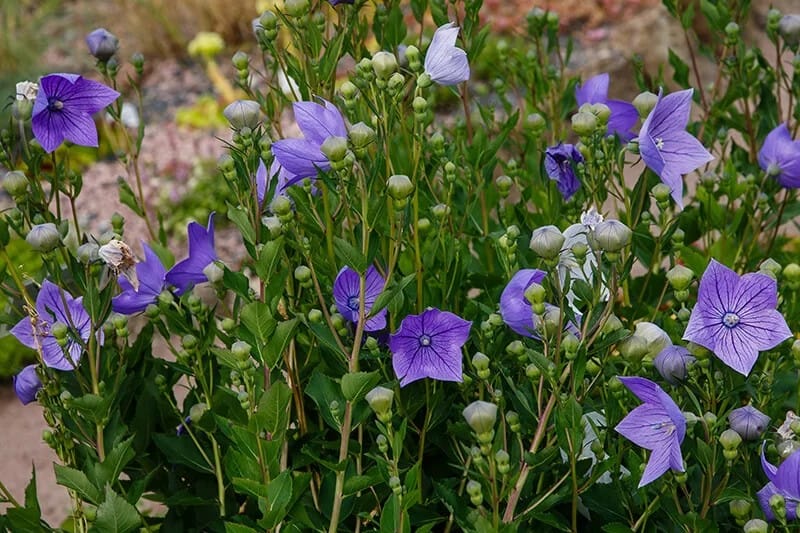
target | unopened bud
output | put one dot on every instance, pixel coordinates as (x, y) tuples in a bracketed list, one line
[(15, 183), (481, 416), (361, 135), (384, 64), (102, 44), (756, 525), (334, 148), (547, 241), (243, 114), (612, 235), (399, 187), (644, 103), (44, 237), (380, 400)]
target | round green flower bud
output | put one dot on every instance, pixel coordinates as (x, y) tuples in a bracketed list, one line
[(227, 325), (152, 311), (88, 253), (413, 57), (503, 184), (536, 123), (348, 90), (440, 210), (241, 350), (243, 114), (661, 192), (383, 443), (612, 235), (15, 183), (423, 226), (399, 186), (165, 298), (516, 348), (302, 273), (334, 148), (481, 416), (197, 411), (296, 8), (756, 525), (602, 112), (633, 349), (644, 103), (740, 508), (189, 341), (384, 64), (480, 361), (547, 241), (361, 135), (680, 277), (535, 294), (791, 272), (380, 399), (710, 418), (473, 488), (778, 505), (532, 371), (419, 104), (281, 206), (213, 272), (584, 123), (44, 237), (730, 439), (771, 268), (315, 316), (570, 343), (240, 60), (789, 30)]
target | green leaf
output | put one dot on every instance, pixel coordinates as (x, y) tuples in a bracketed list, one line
[(182, 451), (348, 255), (324, 335), (273, 409), (233, 527), (77, 481), (240, 217), (569, 427), (393, 518), (23, 519), (256, 489), (357, 384), (237, 282), (126, 196), (324, 390), (108, 471), (92, 407), (31, 498), (268, 257), (273, 507), (115, 515), (257, 318), (387, 296), (283, 333)]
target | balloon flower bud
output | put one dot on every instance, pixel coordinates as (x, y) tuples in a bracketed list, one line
[(644, 103), (547, 241), (380, 400), (680, 277), (748, 422), (399, 187), (673, 362), (481, 417), (15, 183), (334, 148), (612, 235), (44, 237), (243, 114), (102, 44), (756, 525), (384, 64)]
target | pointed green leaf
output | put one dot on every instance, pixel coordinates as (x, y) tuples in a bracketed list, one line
[(356, 385), (77, 481), (283, 333), (273, 409), (115, 515)]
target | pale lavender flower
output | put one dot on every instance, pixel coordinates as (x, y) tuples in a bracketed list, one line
[(665, 145), (64, 107), (748, 422), (783, 480), (346, 295), (780, 157), (657, 425), (623, 115), (445, 63), (54, 304), (27, 384), (735, 317), (102, 44), (672, 363), (429, 345), (303, 158), (151, 275), (559, 163), (201, 253)]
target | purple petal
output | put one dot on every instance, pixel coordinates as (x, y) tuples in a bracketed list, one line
[(661, 460), (201, 253), (764, 495), (781, 151), (788, 477), (755, 293), (24, 332), (672, 363), (318, 122), (444, 62), (624, 117), (151, 274), (346, 295), (647, 426), (88, 96), (559, 163), (593, 91), (261, 181), (671, 113), (736, 348), (48, 128), (514, 308), (682, 152), (770, 470), (300, 157), (78, 128), (27, 384)]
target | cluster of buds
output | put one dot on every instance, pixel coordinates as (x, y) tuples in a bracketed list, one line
[(303, 275), (481, 417), (421, 108), (680, 278), (265, 28), (480, 362), (591, 119), (507, 242), (241, 62), (338, 153), (492, 324)]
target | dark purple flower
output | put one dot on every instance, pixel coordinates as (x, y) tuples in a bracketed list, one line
[(303, 157), (54, 304), (623, 115), (64, 107), (337, 2), (27, 384), (783, 480), (735, 317), (780, 157), (201, 254), (673, 362), (657, 425), (665, 145), (102, 44), (151, 274), (429, 346), (346, 294), (445, 63), (559, 163), (748, 422), (183, 428)]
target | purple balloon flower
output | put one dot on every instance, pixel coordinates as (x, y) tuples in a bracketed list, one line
[(151, 274), (102, 44), (514, 308), (783, 480), (54, 304), (657, 425), (64, 107), (665, 145), (429, 346), (303, 158), (263, 179), (559, 163), (623, 115), (201, 254), (780, 157), (748, 422), (445, 63), (346, 295), (672, 363), (27, 384), (735, 317)]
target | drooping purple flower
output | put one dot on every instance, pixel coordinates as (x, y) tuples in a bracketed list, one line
[(54, 304), (429, 346), (672, 363), (623, 115), (346, 295), (780, 157), (151, 275), (665, 145), (748, 422), (445, 63), (783, 480), (514, 307), (27, 384), (64, 107), (303, 158), (657, 425), (559, 163), (285, 179), (102, 44), (735, 317), (201, 253)]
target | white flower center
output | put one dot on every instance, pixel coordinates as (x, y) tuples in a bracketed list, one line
[(659, 143), (425, 340), (730, 319)]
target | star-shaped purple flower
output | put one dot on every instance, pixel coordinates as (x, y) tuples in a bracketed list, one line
[(623, 115), (346, 295), (783, 480), (64, 107), (780, 157), (303, 158), (189, 272), (559, 163), (445, 63), (27, 384), (151, 274), (54, 304), (736, 317), (665, 145), (429, 346), (657, 425)]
